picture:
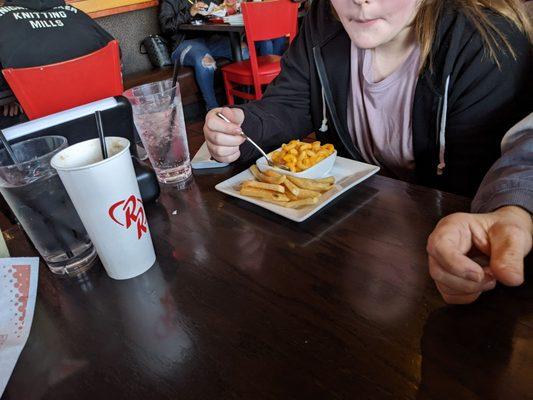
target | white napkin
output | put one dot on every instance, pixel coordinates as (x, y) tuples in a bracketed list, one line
[(203, 160), (18, 290), (221, 12)]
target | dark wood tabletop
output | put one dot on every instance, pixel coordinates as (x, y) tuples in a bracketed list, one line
[(244, 304), (209, 27), (233, 31)]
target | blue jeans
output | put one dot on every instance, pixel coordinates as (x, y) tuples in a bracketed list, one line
[(193, 52), (274, 46)]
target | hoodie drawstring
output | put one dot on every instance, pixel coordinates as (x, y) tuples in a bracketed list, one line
[(324, 126), (442, 130)]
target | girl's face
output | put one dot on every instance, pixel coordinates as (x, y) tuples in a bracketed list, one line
[(372, 23)]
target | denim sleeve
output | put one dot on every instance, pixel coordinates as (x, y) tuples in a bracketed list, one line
[(509, 182)]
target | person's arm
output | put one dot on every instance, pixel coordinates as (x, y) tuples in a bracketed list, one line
[(171, 15), (486, 99), (281, 115), (510, 180), (501, 227)]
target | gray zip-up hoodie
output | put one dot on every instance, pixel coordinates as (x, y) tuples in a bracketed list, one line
[(510, 180)]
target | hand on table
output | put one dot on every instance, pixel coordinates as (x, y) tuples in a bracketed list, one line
[(222, 138), (504, 235), (197, 7), (11, 109)]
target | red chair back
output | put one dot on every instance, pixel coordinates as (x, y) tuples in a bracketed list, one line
[(268, 20), (56, 87)]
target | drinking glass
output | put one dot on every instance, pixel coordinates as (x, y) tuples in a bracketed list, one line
[(158, 117), (37, 197)]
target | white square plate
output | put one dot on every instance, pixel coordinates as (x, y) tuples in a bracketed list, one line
[(347, 173)]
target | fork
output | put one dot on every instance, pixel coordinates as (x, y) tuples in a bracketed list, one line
[(269, 161)]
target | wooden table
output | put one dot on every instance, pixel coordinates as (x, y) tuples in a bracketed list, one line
[(246, 305), (234, 32)]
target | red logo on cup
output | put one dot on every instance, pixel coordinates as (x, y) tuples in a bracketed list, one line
[(131, 211)]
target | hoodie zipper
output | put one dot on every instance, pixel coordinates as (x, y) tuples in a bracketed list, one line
[(442, 115), (328, 97)]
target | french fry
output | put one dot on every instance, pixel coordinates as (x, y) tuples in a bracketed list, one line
[(291, 196), (308, 194), (265, 178), (285, 190), (301, 203), (266, 186), (292, 188), (294, 204), (310, 184), (279, 203), (330, 180), (271, 172), (263, 194), (255, 172)]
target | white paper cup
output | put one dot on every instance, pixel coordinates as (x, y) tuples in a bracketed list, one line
[(106, 196)]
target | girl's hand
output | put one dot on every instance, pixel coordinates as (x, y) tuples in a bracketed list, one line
[(222, 138)]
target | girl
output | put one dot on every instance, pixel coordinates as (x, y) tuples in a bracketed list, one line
[(425, 89)]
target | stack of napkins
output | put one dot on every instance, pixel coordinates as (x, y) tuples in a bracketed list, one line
[(235, 19), (203, 159), (214, 10)]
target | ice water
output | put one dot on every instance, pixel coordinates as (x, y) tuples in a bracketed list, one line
[(159, 119), (165, 139), (47, 214)]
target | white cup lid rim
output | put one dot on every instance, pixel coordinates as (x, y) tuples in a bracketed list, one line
[(123, 141)]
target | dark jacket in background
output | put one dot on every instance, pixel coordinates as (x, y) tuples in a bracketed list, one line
[(463, 105), (41, 32), (173, 13)]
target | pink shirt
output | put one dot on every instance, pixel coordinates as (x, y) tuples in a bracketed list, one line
[(379, 113)]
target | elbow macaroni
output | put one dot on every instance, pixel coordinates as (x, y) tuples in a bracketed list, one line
[(299, 156)]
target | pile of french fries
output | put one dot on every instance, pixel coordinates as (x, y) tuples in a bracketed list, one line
[(285, 190)]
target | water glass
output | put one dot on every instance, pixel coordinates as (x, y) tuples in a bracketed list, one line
[(37, 197), (159, 119)]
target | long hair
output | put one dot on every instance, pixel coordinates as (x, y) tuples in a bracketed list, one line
[(429, 11)]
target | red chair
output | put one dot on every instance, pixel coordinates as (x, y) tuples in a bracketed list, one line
[(262, 21), (56, 87)]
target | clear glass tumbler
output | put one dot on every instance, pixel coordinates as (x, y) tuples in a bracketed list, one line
[(158, 116), (37, 197)]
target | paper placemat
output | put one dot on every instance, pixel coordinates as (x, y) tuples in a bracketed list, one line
[(18, 290)]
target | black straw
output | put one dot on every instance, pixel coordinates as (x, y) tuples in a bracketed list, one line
[(173, 95), (9, 150), (101, 135), (175, 73)]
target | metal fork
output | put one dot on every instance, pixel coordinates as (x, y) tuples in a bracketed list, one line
[(269, 161)]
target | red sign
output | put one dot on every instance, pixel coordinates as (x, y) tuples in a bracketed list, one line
[(125, 212)]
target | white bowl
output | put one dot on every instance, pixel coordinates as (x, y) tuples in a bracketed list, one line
[(319, 170)]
